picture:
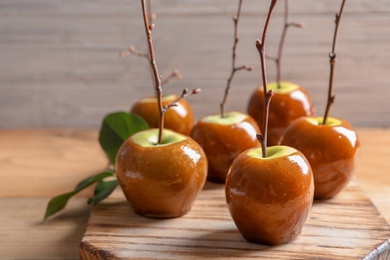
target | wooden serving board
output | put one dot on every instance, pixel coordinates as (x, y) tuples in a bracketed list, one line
[(346, 227)]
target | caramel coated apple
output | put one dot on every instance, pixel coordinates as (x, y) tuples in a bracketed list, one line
[(331, 150), (179, 118), (289, 102), (270, 198), (223, 139), (161, 181)]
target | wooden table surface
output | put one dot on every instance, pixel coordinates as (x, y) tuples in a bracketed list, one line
[(38, 164), (60, 74)]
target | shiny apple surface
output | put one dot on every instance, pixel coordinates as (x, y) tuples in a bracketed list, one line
[(179, 118), (288, 103), (270, 198), (332, 151), (223, 139), (161, 181)]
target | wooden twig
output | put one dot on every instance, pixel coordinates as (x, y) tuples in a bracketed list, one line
[(156, 75), (278, 58), (260, 45), (184, 94), (176, 74), (332, 61), (234, 68)]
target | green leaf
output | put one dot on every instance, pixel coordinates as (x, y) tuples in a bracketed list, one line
[(59, 202), (93, 179), (102, 190), (116, 128)]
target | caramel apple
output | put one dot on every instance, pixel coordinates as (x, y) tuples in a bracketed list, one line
[(179, 118), (331, 145), (223, 138), (331, 149), (270, 198), (225, 135), (160, 171), (289, 102), (269, 190), (161, 180)]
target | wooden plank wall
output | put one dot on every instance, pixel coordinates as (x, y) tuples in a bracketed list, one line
[(59, 64)]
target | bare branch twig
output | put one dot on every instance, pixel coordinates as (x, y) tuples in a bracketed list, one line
[(260, 45), (332, 61), (234, 68), (184, 94)]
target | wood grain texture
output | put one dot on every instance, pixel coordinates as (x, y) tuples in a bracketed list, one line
[(41, 163), (373, 172), (60, 67), (36, 165), (347, 226), (23, 235)]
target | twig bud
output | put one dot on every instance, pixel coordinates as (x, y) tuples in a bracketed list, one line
[(297, 24), (270, 93), (259, 45), (185, 92), (132, 49), (123, 54), (177, 74), (196, 91), (332, 57)]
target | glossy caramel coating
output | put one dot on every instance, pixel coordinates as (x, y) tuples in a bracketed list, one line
[(331, 150), (179, 118), (161, 181), (285, 107), (270, 199), (222, 143)]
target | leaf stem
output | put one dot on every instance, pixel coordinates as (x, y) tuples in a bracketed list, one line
[(332, 61), (156, 75), (234, 68), (260, 45)]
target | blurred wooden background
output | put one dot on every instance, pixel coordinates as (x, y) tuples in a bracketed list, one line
[(59, 64)]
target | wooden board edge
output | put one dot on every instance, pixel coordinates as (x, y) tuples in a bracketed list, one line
[(89, 252), (382, 252)]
